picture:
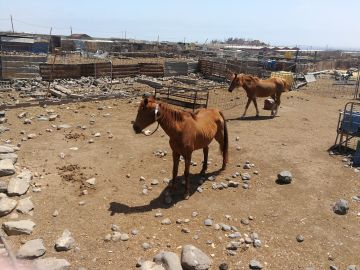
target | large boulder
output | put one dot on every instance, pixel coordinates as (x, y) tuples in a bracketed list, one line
[(6, 149), (193, 258)]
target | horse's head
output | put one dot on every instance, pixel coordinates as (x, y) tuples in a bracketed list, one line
[(235, 82), (146, 113)]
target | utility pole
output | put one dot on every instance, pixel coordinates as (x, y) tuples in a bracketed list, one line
[(12, 24), (125, 34), (158, 39), (70, 30)]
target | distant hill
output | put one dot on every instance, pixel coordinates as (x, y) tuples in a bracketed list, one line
[(240, 41)]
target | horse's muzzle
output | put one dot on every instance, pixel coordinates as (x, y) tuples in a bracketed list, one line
[(136, 129)]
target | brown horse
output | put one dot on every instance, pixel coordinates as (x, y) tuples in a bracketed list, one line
[(255, 87), (187, 131)]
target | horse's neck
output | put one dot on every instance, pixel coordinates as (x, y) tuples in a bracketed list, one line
[(169, 119)]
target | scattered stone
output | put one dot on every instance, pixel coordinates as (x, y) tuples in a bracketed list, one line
[(217, 227), (333, 267), (107, 237), (257, 243), (224, 266), (341, 207), (142, 178), (185, 230), (22, 115), (193, 258), (208, 222), (18, 227), (124, 237), (91, 181), (65, 242), (25, 206), (134, 232), (51, 264), (116, 236), (154, 182), (351, 267), (234, 235), (245, 221), (245, 176), (63, 126), (199, 189), (27, 121), (194, 214), (146, 246), (247, 166), (115, 228), (300, 238), (31, 136), (6, 167), (97, 134), (6, 206), (254, 264), (158, 214), (284, 177), (31, 249), (233, 184), (169, 260), (166, 221), (225, 227), (3, 187)]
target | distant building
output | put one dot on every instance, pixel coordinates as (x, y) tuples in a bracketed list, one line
[(80, 36)]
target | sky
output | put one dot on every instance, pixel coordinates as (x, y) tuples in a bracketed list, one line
[(316, 23)]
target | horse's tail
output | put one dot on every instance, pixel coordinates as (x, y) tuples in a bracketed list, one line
[(225, 148)]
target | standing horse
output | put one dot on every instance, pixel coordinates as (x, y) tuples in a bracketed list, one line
[(255, 87), (187, 131)]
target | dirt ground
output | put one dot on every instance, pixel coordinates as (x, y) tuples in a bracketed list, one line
[(296, 140)]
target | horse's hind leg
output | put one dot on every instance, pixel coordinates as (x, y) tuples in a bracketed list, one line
[(273, 106), (247, 106), (176, 159), (278, 101), (206, 153), (256, 107), (186, 176), (219, 137)]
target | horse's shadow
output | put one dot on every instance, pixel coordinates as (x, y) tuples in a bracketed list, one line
[(253, 118), (159, 202)]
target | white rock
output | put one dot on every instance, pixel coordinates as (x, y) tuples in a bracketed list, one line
[(25, 206), (20, 184), (65, 242), (4, 149), (6, 205), (6, 167), (51, 264), (18, 227), (11, 156), (91, 181), (31, 249)]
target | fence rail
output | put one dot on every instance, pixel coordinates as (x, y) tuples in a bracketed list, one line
[(66, 71)]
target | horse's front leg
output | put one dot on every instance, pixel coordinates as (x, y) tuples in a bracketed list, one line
[(247, 106), (205, 162), (256, 107), (186, 176), (176, 159)]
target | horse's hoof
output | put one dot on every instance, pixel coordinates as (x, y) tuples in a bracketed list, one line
[(223, 167), (203, 172), (257, 116)]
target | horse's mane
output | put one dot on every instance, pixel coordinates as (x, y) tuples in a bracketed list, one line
[(170, 113)]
